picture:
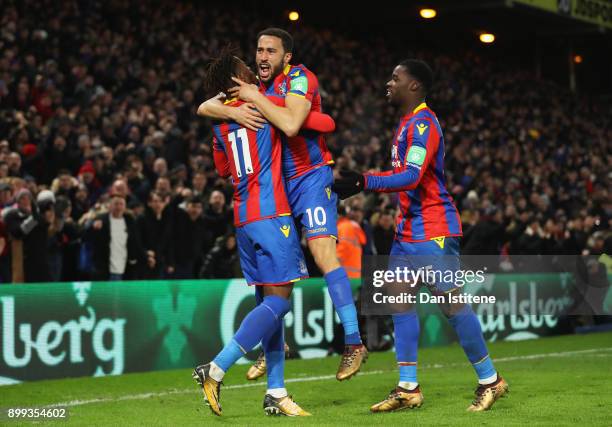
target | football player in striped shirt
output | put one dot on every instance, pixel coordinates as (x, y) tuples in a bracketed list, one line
[(427, 235)]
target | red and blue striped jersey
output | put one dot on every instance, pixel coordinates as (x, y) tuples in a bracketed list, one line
[(306, 150), (253, 159), (426, 209)]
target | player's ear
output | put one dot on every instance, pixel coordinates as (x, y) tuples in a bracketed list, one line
[(415, 85), (287, 58)]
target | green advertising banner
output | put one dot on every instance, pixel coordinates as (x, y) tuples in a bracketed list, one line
[(61, 330), (57, 330)]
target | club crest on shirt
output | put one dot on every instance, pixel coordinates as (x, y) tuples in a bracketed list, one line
[(282, 88)]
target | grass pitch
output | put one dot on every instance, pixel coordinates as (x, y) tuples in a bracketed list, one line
[(561, 381)]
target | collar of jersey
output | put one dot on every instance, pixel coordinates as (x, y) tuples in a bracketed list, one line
[(287, 69), (229, 101), (419, 107)]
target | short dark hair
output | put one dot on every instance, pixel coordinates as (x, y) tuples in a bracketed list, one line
[(194, 200), (219, 71), (285, 37), (420, 71)]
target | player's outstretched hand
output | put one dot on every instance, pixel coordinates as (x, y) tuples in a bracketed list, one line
[(349, 184)]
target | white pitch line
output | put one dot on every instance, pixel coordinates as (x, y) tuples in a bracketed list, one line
[(143, 396)]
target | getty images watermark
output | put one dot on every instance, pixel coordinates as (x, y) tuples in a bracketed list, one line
[(443, 284), (518, 286)]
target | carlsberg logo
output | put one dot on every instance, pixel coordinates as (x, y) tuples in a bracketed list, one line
[(21, 345)]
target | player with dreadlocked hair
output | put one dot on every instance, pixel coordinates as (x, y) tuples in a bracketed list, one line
[(220, 70), (270, 254)]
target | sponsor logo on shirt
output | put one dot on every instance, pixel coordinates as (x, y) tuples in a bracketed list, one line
[(416, 155), (300, 84), (439, 241)]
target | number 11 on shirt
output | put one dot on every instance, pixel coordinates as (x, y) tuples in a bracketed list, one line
[(236, 138)]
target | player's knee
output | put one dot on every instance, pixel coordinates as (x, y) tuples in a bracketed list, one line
[(278, 305), (450, 310)]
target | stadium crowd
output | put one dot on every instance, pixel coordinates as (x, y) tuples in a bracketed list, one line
[(100, 144)]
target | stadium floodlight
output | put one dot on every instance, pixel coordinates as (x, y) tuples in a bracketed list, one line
[(294, 16), (487, 38), (428, 13), (578, 59)]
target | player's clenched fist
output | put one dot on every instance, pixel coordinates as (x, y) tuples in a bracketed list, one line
[(349, 184)]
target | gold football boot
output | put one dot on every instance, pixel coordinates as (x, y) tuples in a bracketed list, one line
[(398, 399), (258, 369), (210, 388), (487, 395), (352, 358), (283, 406)]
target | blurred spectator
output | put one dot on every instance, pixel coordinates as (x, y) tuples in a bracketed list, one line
[(351, 239), (69, 238), (217, 217), (384, 232), (355, 212), (154, 229), (199, 185), (486, 236), (117, 250), (28, 227), (222, 260), (190, 238)]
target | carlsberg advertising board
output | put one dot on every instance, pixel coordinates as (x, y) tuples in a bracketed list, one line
[(59, 330)]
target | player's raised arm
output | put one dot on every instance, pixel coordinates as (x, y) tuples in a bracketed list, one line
[(245, 115), (289, 119)]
